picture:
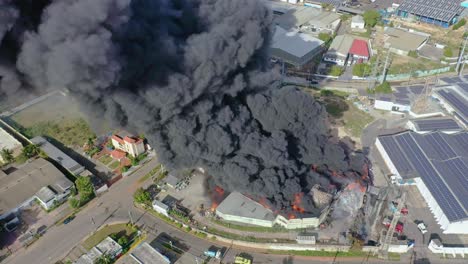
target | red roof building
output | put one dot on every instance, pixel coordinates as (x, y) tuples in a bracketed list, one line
[(359, 49), (118, 139), (118, 154)]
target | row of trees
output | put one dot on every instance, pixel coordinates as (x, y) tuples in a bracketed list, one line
[(85, 189), (28, 152)]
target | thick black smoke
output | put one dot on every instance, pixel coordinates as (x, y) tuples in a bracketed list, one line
[(193, 76)]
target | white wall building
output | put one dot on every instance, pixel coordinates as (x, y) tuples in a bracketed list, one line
[(390, 104), (357, 22), (161, 208), (436, 163), (436, 247), (132, 145), (238, 208)]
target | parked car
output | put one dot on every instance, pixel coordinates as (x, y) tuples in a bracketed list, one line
[(68, 219), (422, 228)]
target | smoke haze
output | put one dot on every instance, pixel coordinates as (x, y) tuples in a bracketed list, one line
[(193, 76)]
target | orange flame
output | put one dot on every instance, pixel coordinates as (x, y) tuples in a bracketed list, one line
[(219, 190), (297, 204), (214, 205), (291, 216), (356, 186), (264, 203)]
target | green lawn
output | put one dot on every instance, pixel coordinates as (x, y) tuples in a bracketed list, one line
[(355, 120), (114, 165), (106, 231), (106, 159), (156, 170)]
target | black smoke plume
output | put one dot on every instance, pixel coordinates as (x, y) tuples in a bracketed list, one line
[(194, 77)]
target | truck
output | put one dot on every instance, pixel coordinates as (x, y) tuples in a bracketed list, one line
[(242, 260), (213, 253)]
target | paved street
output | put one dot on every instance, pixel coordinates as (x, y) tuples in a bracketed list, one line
[(116, 204)]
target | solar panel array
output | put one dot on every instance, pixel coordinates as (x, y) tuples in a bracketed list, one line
[(451, 80), (436, 124), (436, 158), (444, 10), (456, 101)]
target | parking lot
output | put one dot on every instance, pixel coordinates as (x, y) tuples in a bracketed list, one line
[(418, 211)]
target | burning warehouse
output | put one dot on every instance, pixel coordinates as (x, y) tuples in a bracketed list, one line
[(239, 208)]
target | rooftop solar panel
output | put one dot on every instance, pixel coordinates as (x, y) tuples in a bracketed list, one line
[(444, 10), (416, 89), (434, 159), (402, 102), (436, 124), (463, 86), (449, 80), (401, 95), (395, 153), (457, 102)]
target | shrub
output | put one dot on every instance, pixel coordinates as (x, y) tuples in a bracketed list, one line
[(74, 203), (383, 88), (448, 52), (336, 70), (123, 241), (142, 196), (413, 53), (324, 37), (361, 69), (371, 17), (460, 24)]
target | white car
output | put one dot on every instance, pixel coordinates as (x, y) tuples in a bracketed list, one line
[(422, 227)]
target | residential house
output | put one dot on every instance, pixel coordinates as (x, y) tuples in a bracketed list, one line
[(339, 50), (107, 246), (357, 23), (134, 146), (359, 51), (36, 179)]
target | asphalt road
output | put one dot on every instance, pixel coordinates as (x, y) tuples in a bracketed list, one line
[(116, 204)]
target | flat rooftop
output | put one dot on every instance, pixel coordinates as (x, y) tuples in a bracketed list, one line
[(8, 141), (440, 160), (146, 254), (240, 205), (295, 43), (455, 97), (59, 156), (23, 182)]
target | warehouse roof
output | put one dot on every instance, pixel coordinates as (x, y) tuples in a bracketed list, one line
[(297, 17), (24, 182), (404, 40), (455, 98), (59, 156), (239, 205), (444, 10), (433, 124), (341, 44), (8, 141), (146, 254), (295, 43), (440, 160)]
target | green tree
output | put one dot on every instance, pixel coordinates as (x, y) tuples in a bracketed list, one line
[(324, 37), (85, 188), (123, 241), (361, 69), (7, 155), (371, 17), (142, 196), (104, 259), (384, 88), (74, 203), (448, 52), (413, 53), (30, 151), (336, 70)]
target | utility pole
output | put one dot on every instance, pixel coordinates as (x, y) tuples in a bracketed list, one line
[(461, 58), (384, 72), (374, 73), (131, 218)]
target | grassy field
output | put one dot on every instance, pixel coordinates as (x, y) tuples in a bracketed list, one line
[(355, 120), (114, 165), (106, 159), (405, 64), (107, 230), (72, 132)]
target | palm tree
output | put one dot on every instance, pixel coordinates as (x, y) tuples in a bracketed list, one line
[(7, 155), (104, 259)]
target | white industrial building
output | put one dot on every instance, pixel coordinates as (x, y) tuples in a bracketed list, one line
[(436, 247), (239, 208), (309, 20), (443, 124), (389, 103), (454, 98), (437, 163)]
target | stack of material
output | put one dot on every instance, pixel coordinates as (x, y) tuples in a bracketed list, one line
[(320, 197)]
